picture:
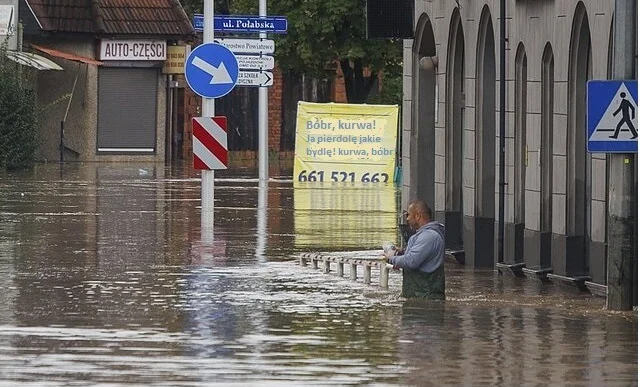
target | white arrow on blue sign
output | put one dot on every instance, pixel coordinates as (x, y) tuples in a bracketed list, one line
[(612, 116), (211, 70)]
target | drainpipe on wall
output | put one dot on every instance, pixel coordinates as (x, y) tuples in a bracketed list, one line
[(502, 183)]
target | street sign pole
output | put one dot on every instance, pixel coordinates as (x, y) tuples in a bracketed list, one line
[(622, 228), (263, 118), (208, 110)]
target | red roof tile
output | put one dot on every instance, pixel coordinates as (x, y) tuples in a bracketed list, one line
[(118, 17)]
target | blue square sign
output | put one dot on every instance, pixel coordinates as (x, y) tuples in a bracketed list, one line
[(612, 116)]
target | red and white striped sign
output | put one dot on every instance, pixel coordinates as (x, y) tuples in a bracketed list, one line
[(209, 142)]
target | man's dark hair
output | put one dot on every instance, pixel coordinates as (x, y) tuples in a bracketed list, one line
[(422, 208)]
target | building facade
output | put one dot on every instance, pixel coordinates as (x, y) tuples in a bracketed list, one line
[(110, 102), (556, 192)]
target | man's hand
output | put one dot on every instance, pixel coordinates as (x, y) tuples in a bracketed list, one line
[(389, 253)]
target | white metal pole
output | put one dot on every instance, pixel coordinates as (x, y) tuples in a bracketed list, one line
[(208, 110), (263, 117)]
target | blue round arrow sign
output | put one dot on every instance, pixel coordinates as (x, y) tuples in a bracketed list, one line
[(211, 70)]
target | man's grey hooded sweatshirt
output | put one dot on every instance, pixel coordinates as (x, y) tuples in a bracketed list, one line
[(425, 249)]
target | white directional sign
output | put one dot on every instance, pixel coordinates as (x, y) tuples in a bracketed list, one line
[(255, 78), (255, 62), (248, 46)]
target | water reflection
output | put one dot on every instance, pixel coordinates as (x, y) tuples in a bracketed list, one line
[(261, 243), (344, 216), (105, 278)]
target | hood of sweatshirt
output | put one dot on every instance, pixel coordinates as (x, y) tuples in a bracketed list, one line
[(436, 226)]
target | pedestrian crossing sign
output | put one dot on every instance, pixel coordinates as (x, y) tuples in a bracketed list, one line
[(612, 116)]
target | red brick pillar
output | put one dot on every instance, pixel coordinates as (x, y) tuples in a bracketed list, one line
[(275, 111), (338, 91), (191, 109)]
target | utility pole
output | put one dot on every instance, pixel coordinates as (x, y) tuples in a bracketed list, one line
[(622, 254)]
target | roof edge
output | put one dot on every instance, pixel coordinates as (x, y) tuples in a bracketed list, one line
[(187, 24), (98, 16)]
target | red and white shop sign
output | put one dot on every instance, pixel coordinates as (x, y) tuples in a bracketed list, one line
[(210, 142)]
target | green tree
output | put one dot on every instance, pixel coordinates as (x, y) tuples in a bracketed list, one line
[(18, 115), (324, 34)]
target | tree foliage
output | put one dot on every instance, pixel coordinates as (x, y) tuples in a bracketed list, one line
[(323, 35), (18, 115)]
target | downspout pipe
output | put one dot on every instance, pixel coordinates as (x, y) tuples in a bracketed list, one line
[(502, 183)]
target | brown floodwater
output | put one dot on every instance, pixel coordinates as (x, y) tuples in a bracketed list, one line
[(107, 279)]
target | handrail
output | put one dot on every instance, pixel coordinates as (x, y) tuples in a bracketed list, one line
[(354, 262)]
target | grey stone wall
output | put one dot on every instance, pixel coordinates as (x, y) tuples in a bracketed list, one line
[(534, 24)]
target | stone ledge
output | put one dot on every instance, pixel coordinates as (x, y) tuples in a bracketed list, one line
[(574, 282), (537, 273), (512, 268), (597, 289), (456, 256)]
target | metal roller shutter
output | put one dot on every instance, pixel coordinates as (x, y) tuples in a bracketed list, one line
[(127, 104)]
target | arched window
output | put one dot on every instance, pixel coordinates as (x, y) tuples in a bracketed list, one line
[(454, 133), (520, 113), (578, 160), (485, 118)]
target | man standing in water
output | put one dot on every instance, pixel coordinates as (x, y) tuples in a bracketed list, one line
[(423, 259)]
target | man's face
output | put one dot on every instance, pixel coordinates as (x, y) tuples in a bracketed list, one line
[(413, 218)]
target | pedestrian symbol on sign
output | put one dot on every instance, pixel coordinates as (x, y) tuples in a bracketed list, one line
[(625, 106), (612, 116)]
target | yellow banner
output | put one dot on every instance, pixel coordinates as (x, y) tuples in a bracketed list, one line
[(345, 143)]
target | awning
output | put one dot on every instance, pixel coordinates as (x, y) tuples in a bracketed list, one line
[(33, 60), (67, 55)]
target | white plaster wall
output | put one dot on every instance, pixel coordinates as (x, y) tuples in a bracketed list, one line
[(54, 91)]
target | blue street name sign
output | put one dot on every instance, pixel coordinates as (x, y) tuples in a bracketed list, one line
[(244, 24), (211, 70), (612, 116)]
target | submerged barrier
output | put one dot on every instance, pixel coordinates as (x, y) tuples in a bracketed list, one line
[(357, 262)]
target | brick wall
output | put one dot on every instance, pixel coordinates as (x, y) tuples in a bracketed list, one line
[(275, 111), (338, 91), (192, 108)]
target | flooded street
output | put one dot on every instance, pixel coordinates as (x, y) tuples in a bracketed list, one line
[(106, 280)]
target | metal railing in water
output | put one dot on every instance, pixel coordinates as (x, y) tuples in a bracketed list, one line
[(336, 263)]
